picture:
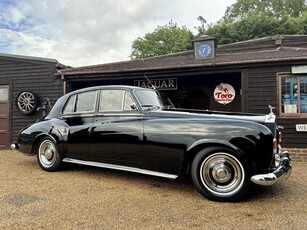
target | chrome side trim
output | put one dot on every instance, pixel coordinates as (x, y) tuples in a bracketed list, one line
[(119, 167), (119, 114), (283, 170)]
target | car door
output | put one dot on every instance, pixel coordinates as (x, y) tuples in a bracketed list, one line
[(78, 114), (117, 131)]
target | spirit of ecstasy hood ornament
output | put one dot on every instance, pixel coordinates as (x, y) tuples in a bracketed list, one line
[(271, 109)]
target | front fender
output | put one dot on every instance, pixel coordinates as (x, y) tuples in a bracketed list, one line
[(210, 142), (197, 146), (257, 150)]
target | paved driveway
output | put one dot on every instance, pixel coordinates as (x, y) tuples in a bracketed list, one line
[(93, 198)]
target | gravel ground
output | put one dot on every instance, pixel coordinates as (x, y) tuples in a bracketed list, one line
[(93, 198)]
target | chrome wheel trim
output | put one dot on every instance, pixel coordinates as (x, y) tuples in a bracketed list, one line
[(222, 174), (26, 101), (47, 153)]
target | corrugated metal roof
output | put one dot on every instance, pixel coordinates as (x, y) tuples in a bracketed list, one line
[(28, 57), (23, 57)]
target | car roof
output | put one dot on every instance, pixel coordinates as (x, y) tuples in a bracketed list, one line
[(128, 87), (58, 106)]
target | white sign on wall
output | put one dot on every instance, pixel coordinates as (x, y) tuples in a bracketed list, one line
[(299, 69), (301, 128), (224, 93)]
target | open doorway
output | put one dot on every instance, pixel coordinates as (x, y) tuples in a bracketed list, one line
[(203, 92)]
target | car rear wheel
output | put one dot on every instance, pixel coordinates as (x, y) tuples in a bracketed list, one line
[(47, 155), (220, 174)]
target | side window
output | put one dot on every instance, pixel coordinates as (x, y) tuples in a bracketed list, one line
[(70, 106), (115, 100), (83, 102), (111, 100)]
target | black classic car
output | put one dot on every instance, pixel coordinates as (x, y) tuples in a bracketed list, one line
[(139, 130)]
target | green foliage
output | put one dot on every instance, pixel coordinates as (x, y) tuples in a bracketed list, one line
[(165, 39), (273, 8), (244, 20), (249, 28), (250, 19)]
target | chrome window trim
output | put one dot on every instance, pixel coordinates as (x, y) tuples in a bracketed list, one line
[(74, 115), (119, 114)]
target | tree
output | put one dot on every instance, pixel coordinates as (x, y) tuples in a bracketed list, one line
[(273, 8), (244, 20), (254, 26), (163, 40), (249, 19)]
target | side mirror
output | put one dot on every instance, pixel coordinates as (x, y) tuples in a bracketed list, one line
[(133, 106)]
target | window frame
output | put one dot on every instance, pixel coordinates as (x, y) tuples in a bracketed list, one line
[(279, 96)]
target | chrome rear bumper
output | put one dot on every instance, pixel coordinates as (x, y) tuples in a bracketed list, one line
[(15, 146), (282, 171)]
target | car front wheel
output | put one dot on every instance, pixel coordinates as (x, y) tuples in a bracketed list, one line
[(220, 174), (47, 155)]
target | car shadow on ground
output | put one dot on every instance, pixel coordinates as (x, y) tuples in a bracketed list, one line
[(181, 185)]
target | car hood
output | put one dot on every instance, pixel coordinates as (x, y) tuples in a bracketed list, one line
[(208, 114)]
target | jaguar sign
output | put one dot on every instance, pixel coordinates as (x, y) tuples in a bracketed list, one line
[(161, 84)]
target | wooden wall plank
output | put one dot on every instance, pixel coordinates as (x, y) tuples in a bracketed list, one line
[(28, 75)]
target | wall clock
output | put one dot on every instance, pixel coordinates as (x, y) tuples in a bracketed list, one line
[(204, 50)]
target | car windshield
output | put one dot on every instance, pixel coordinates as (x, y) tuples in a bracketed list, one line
[(150, 99)]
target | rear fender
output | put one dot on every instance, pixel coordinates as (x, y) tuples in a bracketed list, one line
[(55, 135)]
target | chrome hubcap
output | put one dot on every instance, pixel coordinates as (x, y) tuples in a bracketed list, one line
[(47, 153), (222, 174)]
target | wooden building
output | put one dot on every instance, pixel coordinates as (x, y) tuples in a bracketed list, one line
[(26, 85), (245, 76)]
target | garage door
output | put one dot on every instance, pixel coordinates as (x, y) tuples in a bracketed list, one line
[(4, 115)]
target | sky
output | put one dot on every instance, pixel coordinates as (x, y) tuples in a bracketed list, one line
[(89, 32)]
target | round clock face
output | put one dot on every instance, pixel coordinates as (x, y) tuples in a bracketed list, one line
[(204, 50)]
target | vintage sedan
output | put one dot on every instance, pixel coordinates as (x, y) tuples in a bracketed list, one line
[(139, 130)]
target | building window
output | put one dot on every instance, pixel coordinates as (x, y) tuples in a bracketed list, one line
[(293, 95), (4, 92)]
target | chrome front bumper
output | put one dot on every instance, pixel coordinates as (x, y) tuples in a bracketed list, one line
[(283, 170)]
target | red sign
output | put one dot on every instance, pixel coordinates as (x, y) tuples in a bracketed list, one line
[(224, 93)]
